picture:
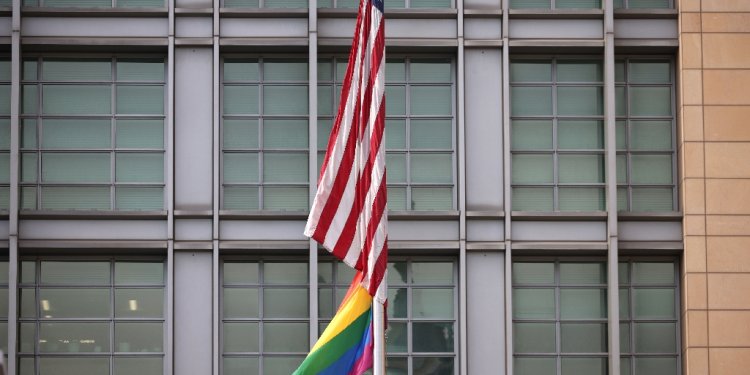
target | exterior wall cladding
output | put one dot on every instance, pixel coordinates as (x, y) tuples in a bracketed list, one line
[(567, 180)]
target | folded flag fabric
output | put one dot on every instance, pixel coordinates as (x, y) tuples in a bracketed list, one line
[(345, 347)]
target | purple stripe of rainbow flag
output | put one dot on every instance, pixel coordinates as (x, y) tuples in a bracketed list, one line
[(346, 345)]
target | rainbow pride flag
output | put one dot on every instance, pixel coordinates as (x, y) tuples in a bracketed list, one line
[(345, 348)]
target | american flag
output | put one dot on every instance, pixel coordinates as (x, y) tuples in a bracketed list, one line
[(348, 216)]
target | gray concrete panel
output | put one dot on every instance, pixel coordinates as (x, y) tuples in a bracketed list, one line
[(193, 129), (485, 312), (192, 229), (646, 29), (262, 230), (264, 27), (93, 229), (650, 231), (555, 29), (4, 229), (559, 231), (403, 230), (484, 158), (128, 27), (397, 28), (193, 313), (485, 230), (194, 27), (483, 28)]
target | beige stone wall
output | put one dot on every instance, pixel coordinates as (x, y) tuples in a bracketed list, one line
[(714, 145)]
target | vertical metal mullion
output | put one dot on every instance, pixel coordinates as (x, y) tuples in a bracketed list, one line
[(409, 320), (113, 154), (111, 315), (261, 128), (558, 316), (261, 314), (39, 129), (555, 149), (407, 124)]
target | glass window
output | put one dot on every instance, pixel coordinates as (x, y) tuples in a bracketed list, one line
[(92, 134), (645, 135), (649, 304), (89, 316), (419, 123), (422, 334), (557, 135), (265, 134), (95, 3), (265, 316), (559, 317), (265, 3), (555, 4), (644, 4), (393, 4)]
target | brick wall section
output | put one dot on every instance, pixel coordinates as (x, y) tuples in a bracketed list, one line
[(714, 144)]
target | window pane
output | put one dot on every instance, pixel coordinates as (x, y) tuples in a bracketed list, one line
[(76, 70), (534, 366), (398, 304), (425, 273), (285, 303), (285, 337), (285, 70), (285, 198), (79, 198), (533, 273), (584, 366), (621, 106), (533, 303), (650, 101), (580, 134), (432, 337), (139, 337), (431, 134), (534, 337), (397, 273), (285, 167), (396, 164), (240, 168), (73, 365), (396, 197), (621, 135), (140, 134), (395, 134), (140, 69), (4, 134), (651, 135), (432, 303), (240, 69), (531, 134), (280, 365), (653, 273), (431, 100), (139, 273), (75, 167), (75, 273), (73, 337), (139, 303), (240, 99), (649, 71), (285, 100), (240, 337), (240, 366), (27, 337), (285, 273), (655, 337), (430, 70), (583, 273), (285, 134), (78, 133), (582, 199), (625, 339), (573, 70), (581, 168), (652, 199), (28, 133), (241, 273), (397, 337), (583, 338), (532, 169), (241, 198), (140, 99), (74, 303), (141, 167), (241, 303), (324, 132), (138, 365), (654, 303), (139, 198), (531, 101), (651, 169), (325, 100), (583, 303), (431, 168), (532, 199), (431, 198), (624, 297), (396, 100), (622, 169), (655, 365), (531, 71), (28, 303), (77, 99), (622, 199), (580, 101), (30, 99)]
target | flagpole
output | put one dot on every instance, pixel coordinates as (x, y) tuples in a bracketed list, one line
[(378, 327)]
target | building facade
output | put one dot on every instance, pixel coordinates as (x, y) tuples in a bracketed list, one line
[(566, 185)]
